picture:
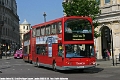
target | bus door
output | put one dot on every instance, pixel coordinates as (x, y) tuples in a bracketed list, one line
[(33, 52), (30, 52), (60, 55)]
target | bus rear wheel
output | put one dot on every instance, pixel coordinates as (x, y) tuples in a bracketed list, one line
[(54, 66), (30, 62)]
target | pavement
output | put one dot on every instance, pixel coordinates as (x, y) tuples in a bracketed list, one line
[(108, 64), (4, 57)]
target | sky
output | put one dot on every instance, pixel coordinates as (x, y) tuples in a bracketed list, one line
[(32, 10)]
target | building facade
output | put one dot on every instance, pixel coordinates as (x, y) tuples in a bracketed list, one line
[(109, 21), (109, 28), (10, 38), (24, 28)]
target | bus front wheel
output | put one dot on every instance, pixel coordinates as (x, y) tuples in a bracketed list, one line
[(54, 66), (37, 63)]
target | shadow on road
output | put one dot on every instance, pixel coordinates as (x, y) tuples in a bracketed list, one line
[(5, 67), (93, 70)]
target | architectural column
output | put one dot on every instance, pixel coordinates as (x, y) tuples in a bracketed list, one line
[(102, 3), (118, 1)]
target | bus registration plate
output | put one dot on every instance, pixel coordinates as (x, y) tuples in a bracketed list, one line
[(80, 66)]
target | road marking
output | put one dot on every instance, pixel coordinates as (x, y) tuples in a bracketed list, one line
[(13, 69), (21, 64)]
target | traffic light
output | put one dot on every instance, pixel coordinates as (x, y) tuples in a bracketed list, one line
[(107, 35)]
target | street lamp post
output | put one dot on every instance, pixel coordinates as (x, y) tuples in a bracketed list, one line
[(112, 47), (44, 14)]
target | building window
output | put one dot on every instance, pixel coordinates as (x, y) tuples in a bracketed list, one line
[(27, 28), (98, 1), (23, 27), (107, 1), (6, 32)]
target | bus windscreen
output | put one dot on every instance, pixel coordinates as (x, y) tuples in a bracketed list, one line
[(79, 50), (77, 29)]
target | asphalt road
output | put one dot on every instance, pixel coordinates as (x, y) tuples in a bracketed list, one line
[(16, 69)]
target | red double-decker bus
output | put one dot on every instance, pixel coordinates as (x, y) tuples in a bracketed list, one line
[(28, 46), (64, 44)]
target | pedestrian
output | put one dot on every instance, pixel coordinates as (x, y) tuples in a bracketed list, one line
[(6, 54), (0, 71), (108, 54), (105, 54), (0, 54)]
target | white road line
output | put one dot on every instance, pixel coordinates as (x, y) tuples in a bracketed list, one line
[(7, 62)]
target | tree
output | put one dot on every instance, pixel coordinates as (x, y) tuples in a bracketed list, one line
[(83, 8)]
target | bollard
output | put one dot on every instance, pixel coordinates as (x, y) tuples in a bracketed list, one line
[(119, 56)]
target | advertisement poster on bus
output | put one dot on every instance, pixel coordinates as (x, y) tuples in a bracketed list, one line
[(49, 41)]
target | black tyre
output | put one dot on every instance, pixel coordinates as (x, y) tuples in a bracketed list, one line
[(37, 63), (54, 66)]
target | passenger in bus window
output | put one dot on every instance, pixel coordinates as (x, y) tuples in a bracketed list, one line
[(85, 30), (59, 29), (47, 32), (76, 50), (82, 52), (68, 30)]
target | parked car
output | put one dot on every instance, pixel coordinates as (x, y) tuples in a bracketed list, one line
[(18, 54)]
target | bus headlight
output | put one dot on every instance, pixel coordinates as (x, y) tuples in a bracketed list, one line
[(68, 63), (94, 63)]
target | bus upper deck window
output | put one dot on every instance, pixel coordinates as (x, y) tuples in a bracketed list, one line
[(48, 29), (59, 27), (53, 28)]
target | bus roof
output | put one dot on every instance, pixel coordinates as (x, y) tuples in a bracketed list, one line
[(57, 20)]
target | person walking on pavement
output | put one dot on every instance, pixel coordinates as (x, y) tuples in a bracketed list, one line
[(107, 54), (104, 51), (1, 58), (6, 54)]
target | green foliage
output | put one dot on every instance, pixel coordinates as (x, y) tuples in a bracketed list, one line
[(83, 8), (96, 34)]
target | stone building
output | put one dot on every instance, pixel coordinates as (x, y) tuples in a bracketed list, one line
[(10, 31), (109, 27), (24, 28)]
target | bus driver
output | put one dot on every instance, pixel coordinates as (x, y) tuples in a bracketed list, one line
[(76, 50)]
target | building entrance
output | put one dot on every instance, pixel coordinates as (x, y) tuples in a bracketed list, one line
[(105, 40)]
